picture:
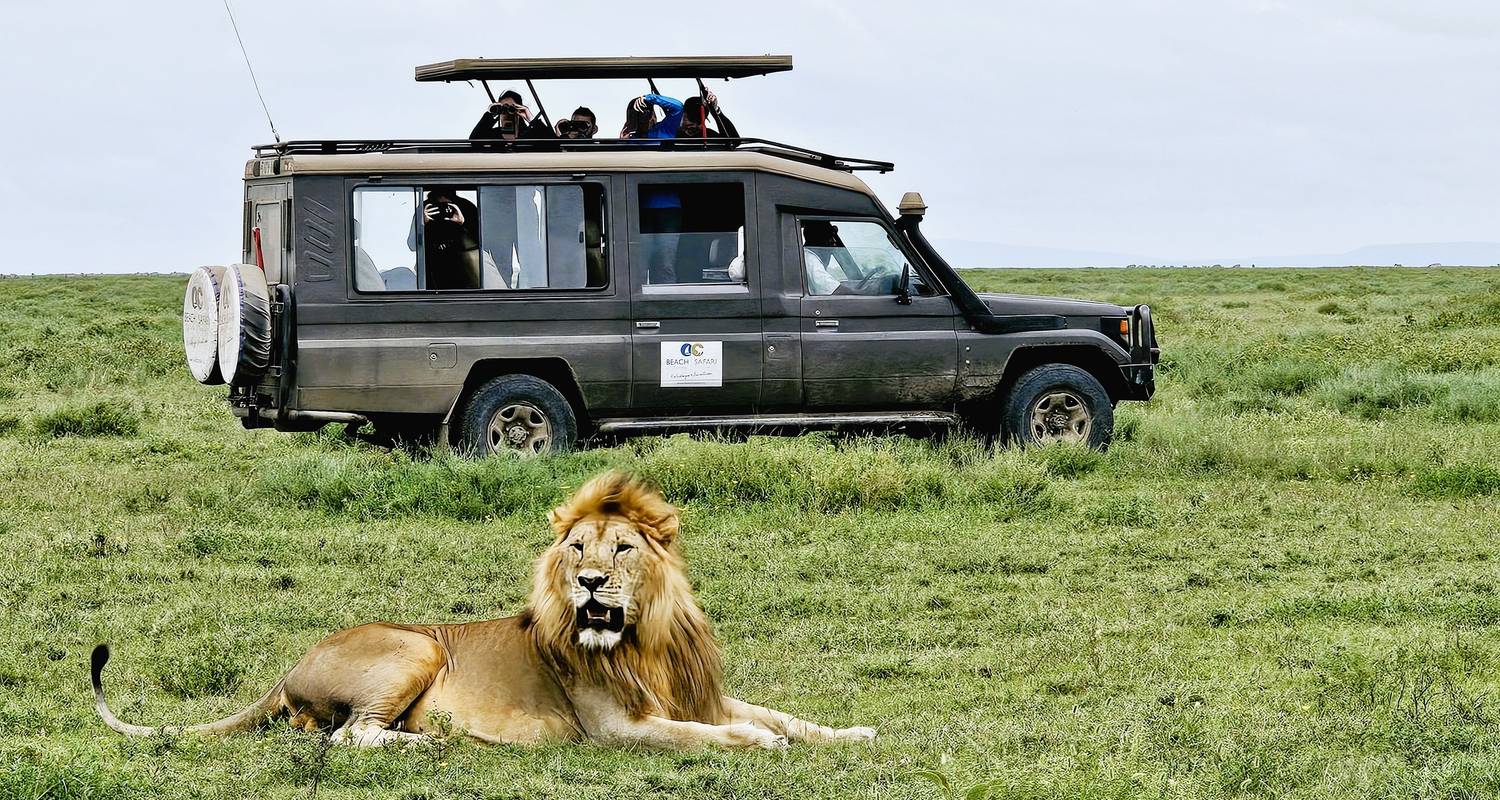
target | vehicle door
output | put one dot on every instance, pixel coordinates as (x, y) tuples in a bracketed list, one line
[(866, 344), (694, 295)]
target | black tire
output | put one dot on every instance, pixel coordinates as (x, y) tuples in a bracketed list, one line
[(528, 396), (1046, 403)]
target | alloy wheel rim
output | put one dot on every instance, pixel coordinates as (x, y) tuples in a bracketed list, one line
[(521, 427), (1060, 416)]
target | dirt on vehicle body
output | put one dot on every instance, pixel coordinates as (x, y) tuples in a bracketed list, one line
[(521, 295)]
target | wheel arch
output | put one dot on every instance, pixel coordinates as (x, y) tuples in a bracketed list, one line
[(556, 371), (1090, 359)]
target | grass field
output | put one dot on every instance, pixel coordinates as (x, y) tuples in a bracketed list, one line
[(1282, 581)]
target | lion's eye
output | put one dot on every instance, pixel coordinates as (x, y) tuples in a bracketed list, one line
[(577, 546), (623, 548)]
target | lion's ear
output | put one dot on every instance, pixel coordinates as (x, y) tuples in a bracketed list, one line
[(562, 520), (664, 528)]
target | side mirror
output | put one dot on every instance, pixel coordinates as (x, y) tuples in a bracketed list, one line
[(903, 289)]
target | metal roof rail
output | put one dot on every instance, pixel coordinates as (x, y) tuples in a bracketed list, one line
[(743, 145)]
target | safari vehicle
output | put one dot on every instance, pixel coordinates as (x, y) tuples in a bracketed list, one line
[(784, 295)]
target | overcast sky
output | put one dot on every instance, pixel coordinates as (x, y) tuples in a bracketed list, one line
[(1179, 128)]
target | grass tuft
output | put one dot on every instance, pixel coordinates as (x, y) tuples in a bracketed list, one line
[(111, 417), (1458, 480)]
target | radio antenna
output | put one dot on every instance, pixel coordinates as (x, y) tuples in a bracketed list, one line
[(253, 81)]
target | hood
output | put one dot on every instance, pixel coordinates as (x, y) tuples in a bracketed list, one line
[(1007, 304)]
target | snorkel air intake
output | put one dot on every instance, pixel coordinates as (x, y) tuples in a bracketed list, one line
[(975, 312)]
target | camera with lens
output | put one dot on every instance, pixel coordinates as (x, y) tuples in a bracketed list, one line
[(574, 128), (443, 211)]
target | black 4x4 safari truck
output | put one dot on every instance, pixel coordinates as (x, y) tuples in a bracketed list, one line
[(521, 294)]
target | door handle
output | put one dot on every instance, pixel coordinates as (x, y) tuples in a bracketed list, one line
[(650, 324), (826, 323)]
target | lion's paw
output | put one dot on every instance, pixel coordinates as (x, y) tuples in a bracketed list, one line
[(856, 734), (747, 734)]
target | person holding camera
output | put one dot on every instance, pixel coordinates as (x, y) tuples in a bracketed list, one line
[(508, 119), (582, 125), (450, 239), (695, 113)]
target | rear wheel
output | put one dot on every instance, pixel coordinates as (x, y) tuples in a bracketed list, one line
[(1059, 403), (521, 413)]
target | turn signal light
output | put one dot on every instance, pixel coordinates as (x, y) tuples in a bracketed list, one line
[(1124, 327)]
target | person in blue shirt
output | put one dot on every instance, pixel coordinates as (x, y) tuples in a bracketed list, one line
[(661, 207), (641, 122)]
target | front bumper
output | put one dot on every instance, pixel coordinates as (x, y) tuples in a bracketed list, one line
[(1140, 373)]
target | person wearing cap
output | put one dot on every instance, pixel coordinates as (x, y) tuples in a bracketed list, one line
[(508, 119)]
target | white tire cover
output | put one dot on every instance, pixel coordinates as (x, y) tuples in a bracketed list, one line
[(244, 324), (200, 324)]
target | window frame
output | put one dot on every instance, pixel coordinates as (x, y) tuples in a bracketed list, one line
[(602, 183), (917, 265), (665, 291)]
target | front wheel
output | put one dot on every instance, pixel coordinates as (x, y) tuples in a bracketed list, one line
[(1059, 403), (519, 413)]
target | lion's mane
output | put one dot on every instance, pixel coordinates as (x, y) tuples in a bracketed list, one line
[(668, 662)]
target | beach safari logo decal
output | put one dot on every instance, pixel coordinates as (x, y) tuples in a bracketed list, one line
[(692, 364)]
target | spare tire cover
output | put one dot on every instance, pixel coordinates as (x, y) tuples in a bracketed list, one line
[(244, 324), (200, 324)]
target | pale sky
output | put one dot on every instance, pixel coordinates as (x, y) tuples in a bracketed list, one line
[(1172, 127)]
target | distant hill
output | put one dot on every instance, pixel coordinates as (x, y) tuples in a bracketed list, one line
[(1468, 254), (970, 253)]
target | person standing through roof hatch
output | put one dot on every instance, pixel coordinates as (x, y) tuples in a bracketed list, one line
[(661, 208), (641, 122), (695, 114), (508, 119), (582, 125)]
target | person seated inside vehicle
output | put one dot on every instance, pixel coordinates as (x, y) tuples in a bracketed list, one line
[(855, 258), (641, 121), (450, 241), (509, 120), (696, 112), (581, 125)]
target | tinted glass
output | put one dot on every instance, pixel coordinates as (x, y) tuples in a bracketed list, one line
[(692, 233)]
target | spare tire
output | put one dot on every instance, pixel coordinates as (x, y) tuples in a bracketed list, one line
[(200, 324), (244, 325)]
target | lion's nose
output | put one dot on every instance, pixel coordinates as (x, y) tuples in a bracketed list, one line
[(591, 580)]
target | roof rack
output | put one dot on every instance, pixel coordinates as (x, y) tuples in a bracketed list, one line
[(464, 69), (763, 146)]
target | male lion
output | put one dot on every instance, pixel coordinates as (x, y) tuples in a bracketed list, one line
[(611, 647)]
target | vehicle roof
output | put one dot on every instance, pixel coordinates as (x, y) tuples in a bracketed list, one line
[(464, 69), (377, 163)]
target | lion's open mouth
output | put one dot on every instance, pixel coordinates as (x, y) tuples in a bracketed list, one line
[(597, 616)]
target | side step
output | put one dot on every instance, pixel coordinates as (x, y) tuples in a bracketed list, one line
[(853, 419)]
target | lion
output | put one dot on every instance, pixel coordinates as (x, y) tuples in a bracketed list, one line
[(612, 647)]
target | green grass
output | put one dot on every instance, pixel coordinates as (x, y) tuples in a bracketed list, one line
[(1282, 581)]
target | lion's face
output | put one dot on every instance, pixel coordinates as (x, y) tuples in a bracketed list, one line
[(603, 562)]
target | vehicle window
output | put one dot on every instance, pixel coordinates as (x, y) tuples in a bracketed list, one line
[(692, 233), (851, 257), (382, 259), (267, 226), (436, 238)]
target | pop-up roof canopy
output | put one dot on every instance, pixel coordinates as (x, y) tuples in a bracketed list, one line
[(466, 69)]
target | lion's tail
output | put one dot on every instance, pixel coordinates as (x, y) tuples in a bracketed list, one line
[(270, 704)]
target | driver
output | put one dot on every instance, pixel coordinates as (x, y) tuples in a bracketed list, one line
[(820, 243), (508, 119)]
